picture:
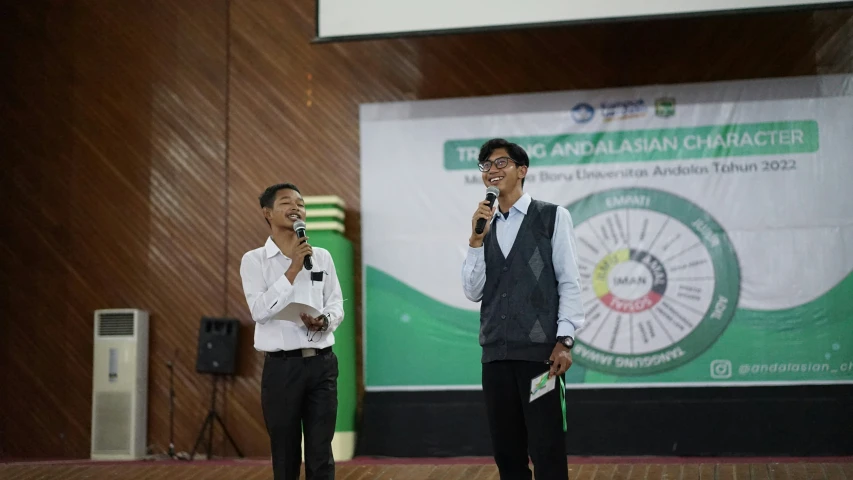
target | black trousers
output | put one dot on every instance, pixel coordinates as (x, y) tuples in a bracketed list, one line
[(520, 428), (301, 394)]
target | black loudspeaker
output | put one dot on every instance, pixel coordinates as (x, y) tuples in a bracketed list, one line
[(218, 339)]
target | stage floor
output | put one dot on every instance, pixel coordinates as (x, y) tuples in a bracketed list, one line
[(447, 469)]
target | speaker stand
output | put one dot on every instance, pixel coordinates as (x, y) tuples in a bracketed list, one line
[(171, 410), (213, 415)]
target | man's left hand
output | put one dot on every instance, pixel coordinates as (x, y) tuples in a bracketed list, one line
[(313, 324), (561, 360)]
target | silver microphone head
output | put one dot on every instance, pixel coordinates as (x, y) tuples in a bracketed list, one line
[(298, 225), (493, 191)]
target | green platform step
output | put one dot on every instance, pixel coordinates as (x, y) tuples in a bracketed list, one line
[(324, 213), (324, 223)]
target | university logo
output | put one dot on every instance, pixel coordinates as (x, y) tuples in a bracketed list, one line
[(665, 107), (583, 112)]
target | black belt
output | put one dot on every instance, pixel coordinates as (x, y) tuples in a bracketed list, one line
[(302, 352)]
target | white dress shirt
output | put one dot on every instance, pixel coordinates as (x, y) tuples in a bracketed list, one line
[(268, 291), (570, 314)]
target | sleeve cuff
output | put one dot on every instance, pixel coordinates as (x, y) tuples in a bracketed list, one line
[(565, 329), (475, 253)]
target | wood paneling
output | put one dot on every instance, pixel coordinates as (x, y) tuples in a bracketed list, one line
[(139, 135), (426, 471), (114, 192)]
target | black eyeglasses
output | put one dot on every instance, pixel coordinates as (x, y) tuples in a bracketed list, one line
[(312, 334), (501, 162)]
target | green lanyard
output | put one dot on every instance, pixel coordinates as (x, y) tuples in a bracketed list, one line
[(563, 402)]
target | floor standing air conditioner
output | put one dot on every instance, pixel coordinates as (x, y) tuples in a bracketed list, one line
[(120, 385)]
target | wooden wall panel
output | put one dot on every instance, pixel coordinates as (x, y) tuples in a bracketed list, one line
[(141, 133), (33, 244), (115, 199)]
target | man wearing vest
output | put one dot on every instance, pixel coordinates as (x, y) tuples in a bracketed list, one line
[(523, 267)]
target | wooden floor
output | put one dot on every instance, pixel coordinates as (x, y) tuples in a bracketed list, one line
[(413, 470)]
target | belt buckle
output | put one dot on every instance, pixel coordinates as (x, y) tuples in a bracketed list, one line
[(309, 352)]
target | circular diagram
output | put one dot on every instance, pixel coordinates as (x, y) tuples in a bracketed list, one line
[(660, 280)]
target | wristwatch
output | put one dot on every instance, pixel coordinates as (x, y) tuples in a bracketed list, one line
[(567, 342), (326, 320)]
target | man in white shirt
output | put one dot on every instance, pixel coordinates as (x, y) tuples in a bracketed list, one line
[(299, 380), (523, 268)]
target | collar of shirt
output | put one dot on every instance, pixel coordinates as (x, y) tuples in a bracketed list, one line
[(272, 249), (521, 205)]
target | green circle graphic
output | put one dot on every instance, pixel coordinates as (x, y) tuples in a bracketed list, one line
[(726, 281)]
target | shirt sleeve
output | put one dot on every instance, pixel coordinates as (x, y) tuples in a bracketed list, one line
[(333, 299), (570, 314), (474, 274), (264, 303)]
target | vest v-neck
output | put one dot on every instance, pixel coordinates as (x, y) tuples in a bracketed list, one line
[(493, 234)]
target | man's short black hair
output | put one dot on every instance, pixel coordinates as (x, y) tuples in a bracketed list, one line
[(267, 199), (514, 150)]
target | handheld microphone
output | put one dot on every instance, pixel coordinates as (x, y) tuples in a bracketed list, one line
[(299, 227), (491, 194)]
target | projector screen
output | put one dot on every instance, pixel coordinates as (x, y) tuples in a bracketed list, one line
[(343, 19)]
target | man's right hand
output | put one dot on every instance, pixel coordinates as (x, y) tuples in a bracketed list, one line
[(483, 211), (297, 255)]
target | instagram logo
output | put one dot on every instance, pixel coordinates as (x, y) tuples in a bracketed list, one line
[(721, 369)]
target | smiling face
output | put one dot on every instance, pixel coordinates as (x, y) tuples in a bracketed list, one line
[(503, 172), (287, 208)]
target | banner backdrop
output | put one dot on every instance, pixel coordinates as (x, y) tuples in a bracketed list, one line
[(714, 228)]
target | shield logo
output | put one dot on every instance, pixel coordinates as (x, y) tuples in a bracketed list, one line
[(665, 107)]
